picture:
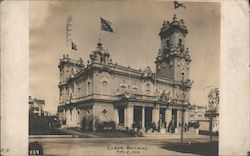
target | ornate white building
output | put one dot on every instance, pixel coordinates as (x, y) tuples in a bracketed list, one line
[(103, 91)]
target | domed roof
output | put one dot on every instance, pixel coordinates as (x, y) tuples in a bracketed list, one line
[(175, 24), (99, 49)]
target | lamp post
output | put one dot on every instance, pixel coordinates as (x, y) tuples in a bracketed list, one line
[(211, 125), (213, 102), (182, 124), (182, 111)]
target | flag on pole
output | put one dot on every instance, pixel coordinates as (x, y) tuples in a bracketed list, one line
[(106, 25), (73, 46), (178, 4)]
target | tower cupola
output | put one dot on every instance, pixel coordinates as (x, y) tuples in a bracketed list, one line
[(173, 58), (99, 55)]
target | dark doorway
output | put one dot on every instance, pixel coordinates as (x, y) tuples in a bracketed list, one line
[(137, 116), (163, 117), (121, 116), (174, 116), (148, 117)]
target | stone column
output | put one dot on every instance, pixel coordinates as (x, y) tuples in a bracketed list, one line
[(94, 115), (74, 118), (153, 115), (156, 115), (79, 117), (116, 116), (75, 90), (63, 95), (143, 117), (68, 118), (125, 117), (64, 114), (130, 116), (178, 117), (168, 115), (186, 116)]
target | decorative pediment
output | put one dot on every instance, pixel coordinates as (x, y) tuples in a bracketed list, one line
[(128, 95), (164, 97)]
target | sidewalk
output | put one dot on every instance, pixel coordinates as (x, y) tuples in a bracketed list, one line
[(69, 133)]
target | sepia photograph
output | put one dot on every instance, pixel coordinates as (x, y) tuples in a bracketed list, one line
[(124, 77)]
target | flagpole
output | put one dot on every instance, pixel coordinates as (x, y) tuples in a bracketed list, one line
[(100, 26), (129, 79)]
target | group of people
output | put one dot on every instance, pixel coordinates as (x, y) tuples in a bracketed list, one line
[(170, 128)]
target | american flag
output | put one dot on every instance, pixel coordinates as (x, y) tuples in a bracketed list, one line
[(106, 25)]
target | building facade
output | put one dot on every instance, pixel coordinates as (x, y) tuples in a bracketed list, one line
[(197, 113), (102, 91), (36, 107), (201, 115)]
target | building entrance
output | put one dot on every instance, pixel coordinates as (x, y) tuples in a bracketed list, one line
[(174, 116), (163, 117), (148, 117), (138, 116), (121, 116)]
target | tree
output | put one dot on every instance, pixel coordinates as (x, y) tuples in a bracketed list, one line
[(213, 104), (213, 99)]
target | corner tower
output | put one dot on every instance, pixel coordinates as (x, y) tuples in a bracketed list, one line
[(173, 58)]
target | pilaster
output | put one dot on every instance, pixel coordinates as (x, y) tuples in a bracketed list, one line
[(143, 117), (129, 113), (156, 115), (186, 116)]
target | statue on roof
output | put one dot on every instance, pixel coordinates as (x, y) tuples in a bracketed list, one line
[(147, 72)]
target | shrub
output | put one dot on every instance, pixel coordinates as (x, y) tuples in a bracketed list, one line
[(105, 125), (194, 124)]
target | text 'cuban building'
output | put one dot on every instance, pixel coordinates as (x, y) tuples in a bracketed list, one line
[(102, 91)]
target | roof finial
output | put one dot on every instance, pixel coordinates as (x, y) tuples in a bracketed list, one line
[(174, 18), (99, 44)]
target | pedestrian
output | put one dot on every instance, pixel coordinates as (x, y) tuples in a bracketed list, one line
[(169, 125), (154, 126), (173, 127), (133, 125)]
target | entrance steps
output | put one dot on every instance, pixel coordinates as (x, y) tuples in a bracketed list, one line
[(163, 132), (122, 128)]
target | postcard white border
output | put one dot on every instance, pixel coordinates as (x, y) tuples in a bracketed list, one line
[(234, 136)]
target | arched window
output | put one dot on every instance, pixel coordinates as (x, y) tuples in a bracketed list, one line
[(79, 92), (88, 88), (134, 90), (104, 88), (182, 75), (180, 42), (148, 89), (123, 89), (167, 44)]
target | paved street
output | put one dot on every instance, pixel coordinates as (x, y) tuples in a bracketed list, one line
[(118, 146)]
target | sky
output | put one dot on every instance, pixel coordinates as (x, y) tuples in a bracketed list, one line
[(135, 40)]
